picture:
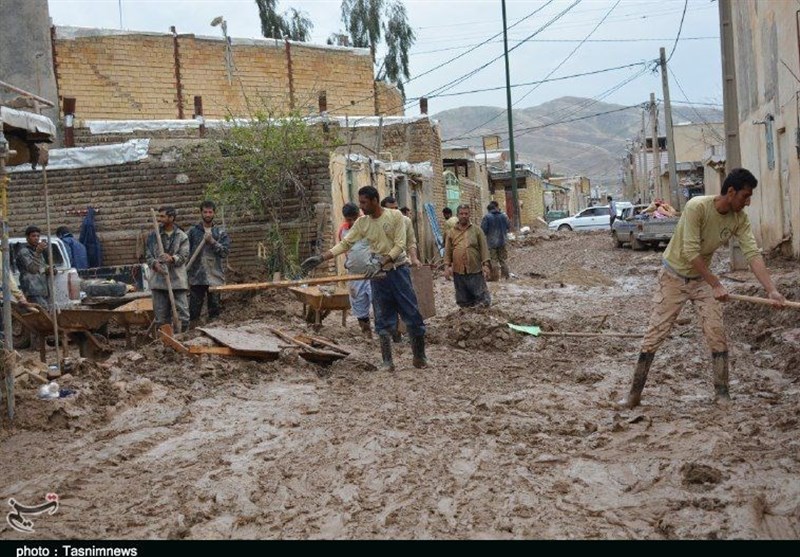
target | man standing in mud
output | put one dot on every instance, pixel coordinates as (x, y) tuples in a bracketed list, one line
[(707, 222), (208, 269), (173, 261), (495, 226), (393, 293), (466, 260), (33, 267)]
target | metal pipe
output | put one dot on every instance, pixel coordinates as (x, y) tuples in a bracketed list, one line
[(25, 93)]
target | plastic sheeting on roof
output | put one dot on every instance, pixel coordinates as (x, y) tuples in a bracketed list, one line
[(85, 157), (33, 123)]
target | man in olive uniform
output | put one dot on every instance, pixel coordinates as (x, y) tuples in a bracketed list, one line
[(208, 269), (173, 261)]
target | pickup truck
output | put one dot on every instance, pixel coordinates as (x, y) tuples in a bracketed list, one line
[(641, 230)]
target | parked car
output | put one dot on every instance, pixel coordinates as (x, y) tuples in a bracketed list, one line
[(591, 218), (641, 231)]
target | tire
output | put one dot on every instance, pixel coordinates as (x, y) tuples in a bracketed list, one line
[(21, 335), (636, 245), (615, 238), (565, 228), (103, 288)]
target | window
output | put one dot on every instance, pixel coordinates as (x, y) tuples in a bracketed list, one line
[(599, 211), (453, 189)]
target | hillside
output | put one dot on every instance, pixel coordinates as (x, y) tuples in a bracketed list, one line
[(579, 144)]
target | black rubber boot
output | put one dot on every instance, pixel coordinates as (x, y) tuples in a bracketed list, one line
[(386, 353), (418, 349), (365, 328), (721, 370), (634, 397)]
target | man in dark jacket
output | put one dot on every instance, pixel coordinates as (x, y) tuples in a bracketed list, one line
[(495, 226), (76, 251), (208, 268), (173, 261), (32, 264)]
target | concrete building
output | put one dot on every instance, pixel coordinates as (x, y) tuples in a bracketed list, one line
[(767, 63), (530, 191)]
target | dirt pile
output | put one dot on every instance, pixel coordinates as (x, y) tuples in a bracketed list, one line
[(95, 394), (477, 330)]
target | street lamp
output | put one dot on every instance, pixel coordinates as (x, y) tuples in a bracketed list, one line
[(219, 21)]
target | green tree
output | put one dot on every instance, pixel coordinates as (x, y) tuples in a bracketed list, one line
[(293, 24), (258, 169), (371, 22)]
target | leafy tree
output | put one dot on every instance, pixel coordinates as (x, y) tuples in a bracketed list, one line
[(293, 24), (369, 22), (258, 169)]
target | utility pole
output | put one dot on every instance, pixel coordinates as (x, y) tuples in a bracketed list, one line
[(514, 195), (730, 104), (655, 150), (730, 101), (675, 195), (643, 161), (8, 347)]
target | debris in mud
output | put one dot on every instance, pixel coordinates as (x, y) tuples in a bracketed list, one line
[(700, 475), (583, 277)]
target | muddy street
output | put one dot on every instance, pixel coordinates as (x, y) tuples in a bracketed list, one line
[(503, 435)]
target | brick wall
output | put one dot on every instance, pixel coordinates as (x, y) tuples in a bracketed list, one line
[(132, 76), (390, 99), (124, 194)]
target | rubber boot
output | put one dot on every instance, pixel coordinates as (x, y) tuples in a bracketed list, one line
[(386, 353), (418, 349), (634, 397), (721, 368), (365, 328)]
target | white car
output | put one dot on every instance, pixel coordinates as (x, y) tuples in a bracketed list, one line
[(591, 218)]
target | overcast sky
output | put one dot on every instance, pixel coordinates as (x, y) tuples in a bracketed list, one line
[(446, 29)]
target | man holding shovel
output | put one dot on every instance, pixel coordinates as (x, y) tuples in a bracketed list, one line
[(208, 267), (385, 231), (707, 222), (173, 261)]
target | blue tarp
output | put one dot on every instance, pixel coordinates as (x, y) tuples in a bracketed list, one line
[(89, 239)]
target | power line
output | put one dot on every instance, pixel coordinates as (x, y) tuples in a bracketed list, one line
[(538, 82), (534, 12), (549, 124), (680, 28), (453, 83), (554, 70), (641, 40)]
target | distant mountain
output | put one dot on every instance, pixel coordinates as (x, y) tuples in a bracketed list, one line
[(564, 133)]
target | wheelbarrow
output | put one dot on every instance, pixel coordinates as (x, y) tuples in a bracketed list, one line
[(82, 326), (136, 314), (317, 303)]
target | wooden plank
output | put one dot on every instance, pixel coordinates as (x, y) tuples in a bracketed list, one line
[(165, 334), (293, 340), (422, 281), (142, 304), (308, 339), (285, 283), (243, 341), (228, 351)]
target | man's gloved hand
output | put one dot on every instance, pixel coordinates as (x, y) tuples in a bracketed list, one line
[(311, 263), (373, 268)]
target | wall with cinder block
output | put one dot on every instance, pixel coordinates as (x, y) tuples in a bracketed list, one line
[(133, 77)]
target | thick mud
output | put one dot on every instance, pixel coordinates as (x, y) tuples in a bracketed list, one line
[(504, 435)]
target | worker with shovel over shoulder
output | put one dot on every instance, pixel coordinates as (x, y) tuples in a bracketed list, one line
[(385, 231), (706, 223), (173, 261)]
